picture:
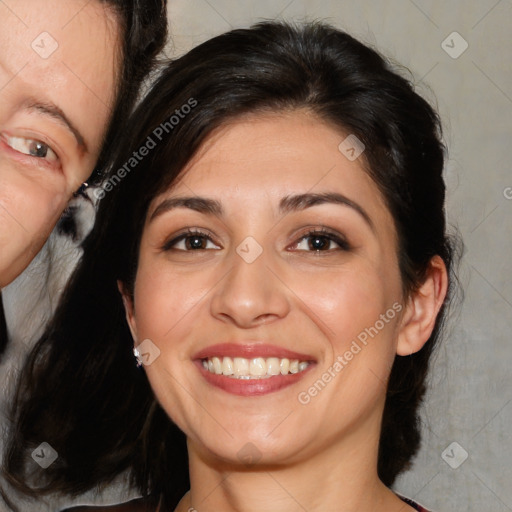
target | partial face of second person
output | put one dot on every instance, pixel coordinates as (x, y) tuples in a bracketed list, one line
[(58, 63), (271, 255)]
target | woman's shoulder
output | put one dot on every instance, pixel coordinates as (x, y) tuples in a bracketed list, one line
[(138, 505)]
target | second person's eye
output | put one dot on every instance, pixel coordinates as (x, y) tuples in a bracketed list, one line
[(31, 147)]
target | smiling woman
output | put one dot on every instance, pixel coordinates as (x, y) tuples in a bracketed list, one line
[(287, 235), (69, 73)]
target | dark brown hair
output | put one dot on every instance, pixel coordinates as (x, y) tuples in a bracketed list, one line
[(143, 28)]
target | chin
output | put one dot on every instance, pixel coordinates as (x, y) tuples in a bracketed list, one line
[(247, 446)]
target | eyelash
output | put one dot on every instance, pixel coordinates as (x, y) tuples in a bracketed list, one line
[(342, 243)]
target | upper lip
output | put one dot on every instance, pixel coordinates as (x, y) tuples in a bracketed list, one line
[(249, 351)]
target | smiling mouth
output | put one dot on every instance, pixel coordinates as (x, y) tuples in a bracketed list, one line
[(253, 368)]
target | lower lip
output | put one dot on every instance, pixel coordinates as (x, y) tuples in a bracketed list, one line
[(251, 387)]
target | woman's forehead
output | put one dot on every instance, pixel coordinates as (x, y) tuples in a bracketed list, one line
[(273, 153)]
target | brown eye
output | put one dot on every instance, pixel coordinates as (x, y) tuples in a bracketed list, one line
[(196, 242), (320, 242), (191, 242)]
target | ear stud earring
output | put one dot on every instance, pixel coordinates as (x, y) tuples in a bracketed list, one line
[(138, 357)]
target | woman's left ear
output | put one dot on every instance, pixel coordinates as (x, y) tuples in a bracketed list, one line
[(423, 306), (128, 309)]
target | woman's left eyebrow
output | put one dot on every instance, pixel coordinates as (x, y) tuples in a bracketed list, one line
[(303, 201), (198, 204)]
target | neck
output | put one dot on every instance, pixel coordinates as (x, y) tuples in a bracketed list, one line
[(342, 478)]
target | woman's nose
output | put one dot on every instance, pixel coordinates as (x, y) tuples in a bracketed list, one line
[(251, 293)]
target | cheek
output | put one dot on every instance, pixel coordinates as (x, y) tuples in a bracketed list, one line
[(346, 301), (28, 214), (29, 208), (168, 310), (354, 309), (166, 303)]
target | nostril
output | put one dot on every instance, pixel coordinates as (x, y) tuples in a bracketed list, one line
[(262, 319)]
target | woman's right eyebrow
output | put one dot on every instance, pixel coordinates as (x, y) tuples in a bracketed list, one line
[(198, 204)]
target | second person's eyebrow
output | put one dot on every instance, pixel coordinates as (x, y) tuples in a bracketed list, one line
[(53, 111)]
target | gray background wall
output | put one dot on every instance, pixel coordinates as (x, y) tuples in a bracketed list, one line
[(470, 402)]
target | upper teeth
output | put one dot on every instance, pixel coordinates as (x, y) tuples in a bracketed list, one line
[(258, 367)]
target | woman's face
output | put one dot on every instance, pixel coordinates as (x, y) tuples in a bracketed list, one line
[(57, 67), (268, 294)]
